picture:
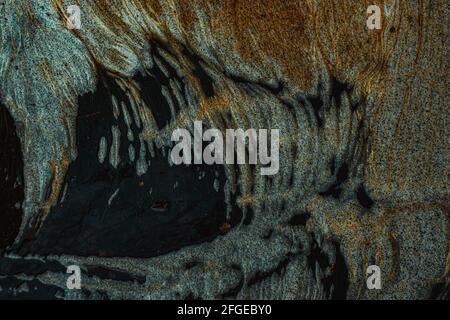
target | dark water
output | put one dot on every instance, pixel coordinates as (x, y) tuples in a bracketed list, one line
[(11, 175)]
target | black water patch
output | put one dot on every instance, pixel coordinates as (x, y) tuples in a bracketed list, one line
[(332, 165), (317, 105), (339, 278), (342, 174), (133, 224), (248, 216), (152, 84), (206, 82), (114, 274), (11, 180), (152, 96), (363, 198)]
